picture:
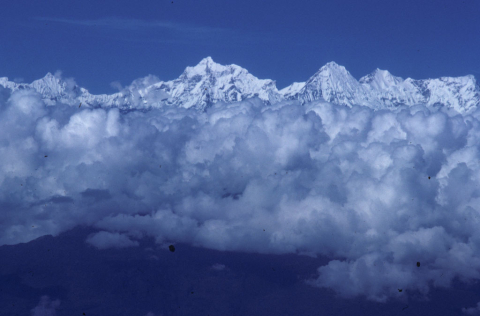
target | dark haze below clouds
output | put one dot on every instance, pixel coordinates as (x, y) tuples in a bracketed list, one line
[(64, 276)]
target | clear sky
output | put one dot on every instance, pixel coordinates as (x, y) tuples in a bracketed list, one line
[(98, 42)]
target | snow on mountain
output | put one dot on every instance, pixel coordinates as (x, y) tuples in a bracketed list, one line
[(380, 79), (461, 93), (332, 83), (207, 83), (380, 89), (7, 84), (54, 89), (389, 90), (290, 91)]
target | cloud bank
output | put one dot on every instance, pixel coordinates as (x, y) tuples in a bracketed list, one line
[(375, 191), (472, 310), (105, 240), (45, 307)]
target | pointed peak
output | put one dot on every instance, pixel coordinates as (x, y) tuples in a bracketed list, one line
[(208, 66), (333, 67), (52, 81), (205, 65), (381, 72), (206, 61), (331, 64), (381, 75), (57, 77)]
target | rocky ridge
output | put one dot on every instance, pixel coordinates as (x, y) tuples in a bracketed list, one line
[(207, 83)]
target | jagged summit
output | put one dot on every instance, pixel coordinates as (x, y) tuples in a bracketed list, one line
[(205, 66), (333, 72), (49, 75), (206, 60), (208, 82), (332, 65), (333, 69), (383, 78), (331, 83), (380, 89)]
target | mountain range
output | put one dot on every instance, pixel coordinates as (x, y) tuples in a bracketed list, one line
[(208, 82)]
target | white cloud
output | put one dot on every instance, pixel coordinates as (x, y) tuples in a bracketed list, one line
[(472, 310), (218, 267), (27, 103), (45, 307), (104, 240), (350, 184), (135, 24), (116, 85)]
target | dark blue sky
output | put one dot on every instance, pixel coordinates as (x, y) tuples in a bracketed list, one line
[(98, 42)]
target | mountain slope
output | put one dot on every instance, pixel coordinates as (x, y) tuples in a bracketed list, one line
[(207, 83), (332, 83), (380, 89)]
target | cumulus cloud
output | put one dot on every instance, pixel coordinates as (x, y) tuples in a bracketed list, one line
[(375, 191), (104, 240), (141, 89), (472, 310), (142, 83), (218, 266), (116, 85), (45, 307)]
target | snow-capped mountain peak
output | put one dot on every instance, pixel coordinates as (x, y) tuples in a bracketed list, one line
[(293, 88), (208, 82), (206, 66), (333, 67), (48, 85), (207, 60), (53, 88), (381, 79), (331, 83)]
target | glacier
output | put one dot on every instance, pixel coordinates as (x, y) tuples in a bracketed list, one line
[(208, 83)]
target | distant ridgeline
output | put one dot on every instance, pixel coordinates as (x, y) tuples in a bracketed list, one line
[(208, 83)]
